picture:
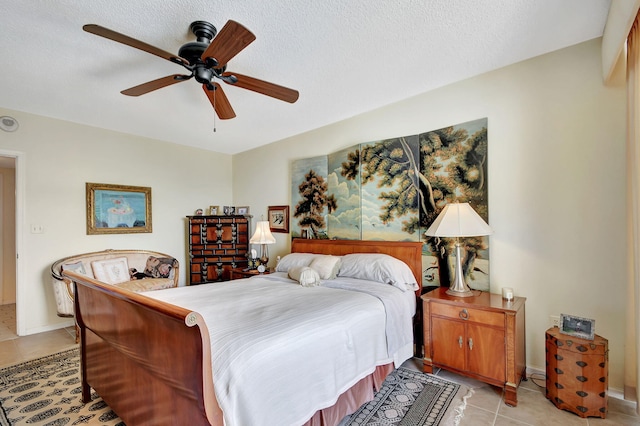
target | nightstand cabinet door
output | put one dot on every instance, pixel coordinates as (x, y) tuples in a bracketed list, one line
[(449, 343), (483, 357)]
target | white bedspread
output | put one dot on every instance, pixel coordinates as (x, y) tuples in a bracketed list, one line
[(281, 351)]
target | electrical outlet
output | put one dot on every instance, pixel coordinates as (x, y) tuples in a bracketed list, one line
[(554, 320)]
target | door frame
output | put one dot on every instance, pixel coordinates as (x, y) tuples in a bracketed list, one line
[(20, 159)]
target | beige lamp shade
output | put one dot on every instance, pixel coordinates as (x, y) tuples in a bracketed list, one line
[(458, 220), (263, 234)]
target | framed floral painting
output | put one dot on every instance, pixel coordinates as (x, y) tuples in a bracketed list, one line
[(118, 209)]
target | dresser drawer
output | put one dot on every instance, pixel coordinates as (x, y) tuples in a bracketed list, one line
[(468, 314)]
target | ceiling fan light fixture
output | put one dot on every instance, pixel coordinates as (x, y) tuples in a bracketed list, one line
[(203, 75), (206, 60)]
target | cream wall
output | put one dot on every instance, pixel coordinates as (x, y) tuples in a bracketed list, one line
[(556, 182), (59, 158)]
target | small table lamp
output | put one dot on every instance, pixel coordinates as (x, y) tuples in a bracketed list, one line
[(263, 236), (458, 220)]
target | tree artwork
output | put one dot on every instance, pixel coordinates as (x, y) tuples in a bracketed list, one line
[(394, 189), (421, 176), (455, 166), (310, 209)]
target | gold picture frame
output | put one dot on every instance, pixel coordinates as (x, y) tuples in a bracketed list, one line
[(278, 218), (118, 209)]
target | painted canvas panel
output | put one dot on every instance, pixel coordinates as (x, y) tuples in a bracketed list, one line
[(310, 200), (344, 222), (390, 189), (453, 167)]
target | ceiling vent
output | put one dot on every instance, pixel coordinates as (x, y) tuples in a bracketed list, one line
[(8, 124)]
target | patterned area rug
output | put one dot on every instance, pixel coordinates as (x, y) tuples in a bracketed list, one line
[(46, 391), (412, 398)]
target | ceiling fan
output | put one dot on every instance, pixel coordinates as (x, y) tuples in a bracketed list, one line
[(206, 59)]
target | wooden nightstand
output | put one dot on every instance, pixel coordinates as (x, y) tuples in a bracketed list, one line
[(480, 336), (237, 273)]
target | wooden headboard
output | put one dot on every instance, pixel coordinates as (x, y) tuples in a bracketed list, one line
[(408, 252)]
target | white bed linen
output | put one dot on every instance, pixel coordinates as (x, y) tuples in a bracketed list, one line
[(281, 351)]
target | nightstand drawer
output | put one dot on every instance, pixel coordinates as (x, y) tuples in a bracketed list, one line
[(468, 314)]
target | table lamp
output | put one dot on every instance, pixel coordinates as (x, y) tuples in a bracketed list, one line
[(263, 237), (458, 220)]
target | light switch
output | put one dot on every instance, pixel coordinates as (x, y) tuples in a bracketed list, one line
[(37, 229)]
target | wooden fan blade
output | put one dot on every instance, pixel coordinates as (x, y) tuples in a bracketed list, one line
[(230, 41), (124, 39), (264, 87), (219, 101), (150, 86)]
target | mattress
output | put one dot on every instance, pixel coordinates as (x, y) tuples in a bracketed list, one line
[(281, 351)]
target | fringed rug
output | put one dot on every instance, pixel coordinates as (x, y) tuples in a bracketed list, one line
[(47, 392), (411, 398)]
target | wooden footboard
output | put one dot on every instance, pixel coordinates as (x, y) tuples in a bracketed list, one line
[(150, 361)]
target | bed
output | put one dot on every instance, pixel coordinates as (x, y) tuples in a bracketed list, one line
[(150, 356)]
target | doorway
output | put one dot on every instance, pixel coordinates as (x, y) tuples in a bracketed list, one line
[(10, 194)]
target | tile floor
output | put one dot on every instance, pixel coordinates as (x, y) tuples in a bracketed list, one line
[(485, 407), (14, 349)]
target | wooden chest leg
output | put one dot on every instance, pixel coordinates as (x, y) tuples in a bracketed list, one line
[(511, 395)]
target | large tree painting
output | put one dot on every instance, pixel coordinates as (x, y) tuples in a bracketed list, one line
[(310, 198), (393, 190), (388, 172), (453, 167)]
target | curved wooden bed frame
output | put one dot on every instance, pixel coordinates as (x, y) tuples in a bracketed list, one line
[(150, 361)]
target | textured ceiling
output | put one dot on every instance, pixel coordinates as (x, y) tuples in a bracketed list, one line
[(345, 57)]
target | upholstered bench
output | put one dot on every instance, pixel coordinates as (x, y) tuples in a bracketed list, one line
[(135, 270)]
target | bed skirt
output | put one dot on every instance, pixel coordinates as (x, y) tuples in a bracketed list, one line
[(352, 399)]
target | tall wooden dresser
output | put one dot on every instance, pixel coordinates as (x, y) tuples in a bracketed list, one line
[(217, 244)]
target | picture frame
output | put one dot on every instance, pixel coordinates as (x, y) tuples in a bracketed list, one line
[(118, 209), (584, 328), (229, 210), (278, 218), (214, 210), (244, 210)]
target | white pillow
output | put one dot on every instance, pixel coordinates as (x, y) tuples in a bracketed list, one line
[(326, 265), (294, 259), (75, 267), (111, 271), (306, 276), (378, 267)]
